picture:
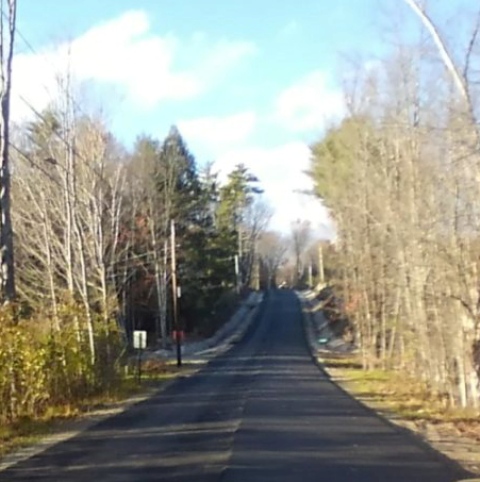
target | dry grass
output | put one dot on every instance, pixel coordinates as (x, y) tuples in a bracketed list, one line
[(400, 397)]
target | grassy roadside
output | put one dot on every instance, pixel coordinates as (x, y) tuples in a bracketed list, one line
[(401, 398), (66, 418), (407, 403)]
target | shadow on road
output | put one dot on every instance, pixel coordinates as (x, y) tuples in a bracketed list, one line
[(260, 412)]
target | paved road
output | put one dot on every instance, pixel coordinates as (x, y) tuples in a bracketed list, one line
[(261, 412)]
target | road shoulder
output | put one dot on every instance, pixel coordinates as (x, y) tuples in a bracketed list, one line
[(443, 438)]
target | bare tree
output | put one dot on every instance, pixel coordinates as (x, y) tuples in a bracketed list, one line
[(255, 220), (272, 250), (405, 203), (154, 188)]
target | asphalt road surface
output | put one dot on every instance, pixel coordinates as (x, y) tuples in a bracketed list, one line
[(261, 412)]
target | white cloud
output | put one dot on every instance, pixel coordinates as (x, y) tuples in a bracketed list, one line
[(219, 132), (309, 104), (281, 173), (280, 169), (125, 55)]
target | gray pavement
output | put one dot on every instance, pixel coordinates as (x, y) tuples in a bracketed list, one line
[(263, 411)]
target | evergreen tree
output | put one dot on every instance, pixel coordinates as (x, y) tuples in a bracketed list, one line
[(236, 196)]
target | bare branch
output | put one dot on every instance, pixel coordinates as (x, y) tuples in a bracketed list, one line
[(471, 45), (442, 48)]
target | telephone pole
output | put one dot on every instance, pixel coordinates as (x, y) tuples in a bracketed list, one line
[(321, 270), (237, 273), (176, 324), (7, 268)]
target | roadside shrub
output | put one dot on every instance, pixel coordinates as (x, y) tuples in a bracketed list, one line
[(46, 362)]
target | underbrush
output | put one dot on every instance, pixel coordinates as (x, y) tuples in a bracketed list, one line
[(55, 368)]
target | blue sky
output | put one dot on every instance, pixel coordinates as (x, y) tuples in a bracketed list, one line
[(251, 81)]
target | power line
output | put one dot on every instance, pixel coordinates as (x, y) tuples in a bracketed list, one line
[(65, 141), (64, 90), (33, 163), (32, 49)]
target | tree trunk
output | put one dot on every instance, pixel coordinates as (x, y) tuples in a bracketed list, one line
[(6, 231)]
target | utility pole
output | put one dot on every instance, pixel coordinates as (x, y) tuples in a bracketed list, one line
[(237, 273), (175, 296), (164, 297), (321, 271), (257, 274), (240, 257), (7, 270)]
